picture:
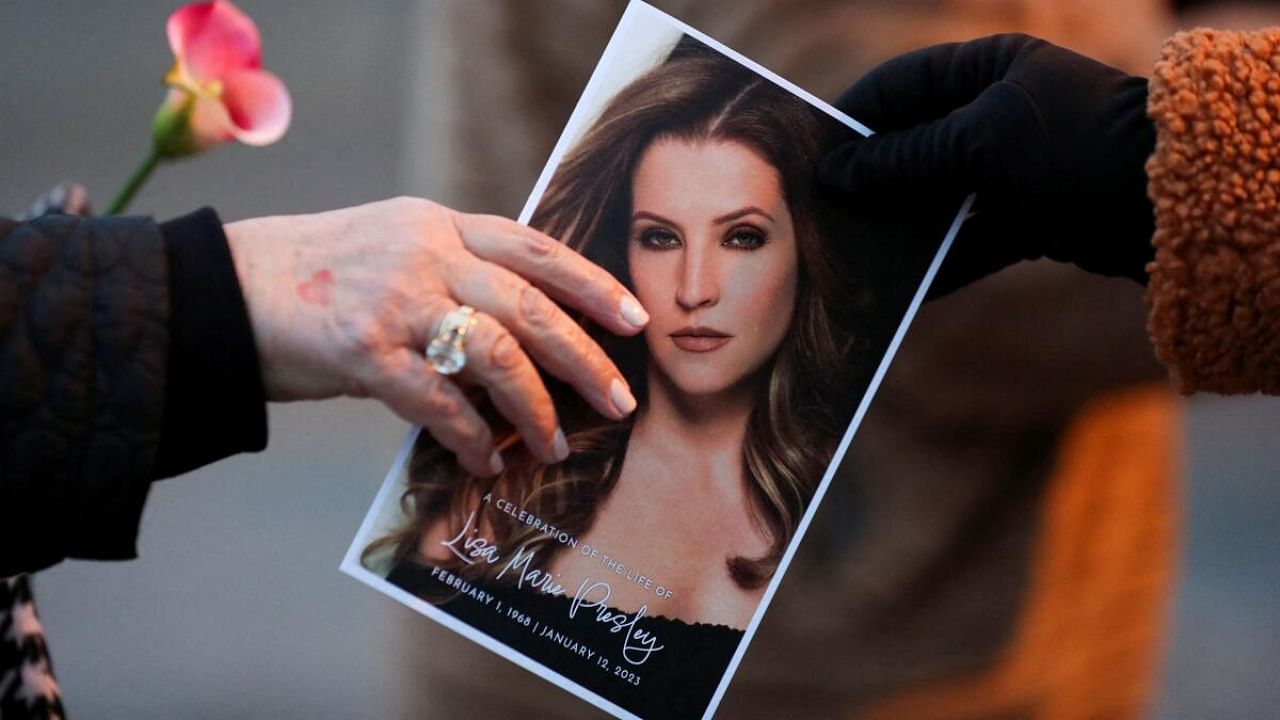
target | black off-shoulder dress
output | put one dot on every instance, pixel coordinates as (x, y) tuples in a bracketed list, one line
[(677, 681)]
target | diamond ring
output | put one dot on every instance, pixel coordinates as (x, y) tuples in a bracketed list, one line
[(446, 353)]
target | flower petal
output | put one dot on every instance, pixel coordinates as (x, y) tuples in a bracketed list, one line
[(210, 124), (258, 105), (185, 22), (214, 38)]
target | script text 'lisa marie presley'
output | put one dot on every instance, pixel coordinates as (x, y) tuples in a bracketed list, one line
[(471, 547)]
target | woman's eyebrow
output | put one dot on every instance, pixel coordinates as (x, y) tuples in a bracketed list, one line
[(655, 217), (741, 213)]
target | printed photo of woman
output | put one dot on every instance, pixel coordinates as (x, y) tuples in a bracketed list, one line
[(634, 567)]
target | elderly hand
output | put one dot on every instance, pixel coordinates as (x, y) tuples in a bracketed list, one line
[(344, 303), (1052, 142)]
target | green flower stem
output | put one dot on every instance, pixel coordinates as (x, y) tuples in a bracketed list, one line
[(135, 183)]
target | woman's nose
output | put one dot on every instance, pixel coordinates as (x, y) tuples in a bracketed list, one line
[(699, 282)]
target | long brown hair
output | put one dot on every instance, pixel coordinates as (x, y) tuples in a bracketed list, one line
[(802, 405)]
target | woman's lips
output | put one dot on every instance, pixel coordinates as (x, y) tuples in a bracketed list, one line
[(699, 340)]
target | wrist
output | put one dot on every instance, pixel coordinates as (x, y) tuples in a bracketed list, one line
[(214, 400)]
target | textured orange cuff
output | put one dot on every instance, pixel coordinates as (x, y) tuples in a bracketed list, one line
[(1214, 179)]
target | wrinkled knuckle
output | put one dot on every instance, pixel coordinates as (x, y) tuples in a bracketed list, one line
[(595, 360), (536, 309), (387, 367), (507, 285), (365, 340), (606, 282), (482, 438), (476, 439), (452, 264), (414, 205), (378, 378), (536, 244), (505, 352), (598, 362), (545, 416), (442, 404)]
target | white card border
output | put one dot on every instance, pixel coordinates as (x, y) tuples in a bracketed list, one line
[(351, 561)]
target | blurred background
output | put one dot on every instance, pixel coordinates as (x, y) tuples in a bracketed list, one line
[(972, 555)]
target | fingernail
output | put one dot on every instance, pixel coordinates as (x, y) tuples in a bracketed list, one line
[(495, 463), (632, 312), (560, 446), (622, 398)]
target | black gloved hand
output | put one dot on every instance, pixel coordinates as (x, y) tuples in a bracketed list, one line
[(1053, 143)]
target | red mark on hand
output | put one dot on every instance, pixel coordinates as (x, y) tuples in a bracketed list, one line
[(318, 290)]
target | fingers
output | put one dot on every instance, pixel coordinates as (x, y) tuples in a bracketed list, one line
[(496, 362), (518, 324), (929, 83), (930, 158), (557, 269), (929, 109), (422, 396), (554, 340), (969, 149)]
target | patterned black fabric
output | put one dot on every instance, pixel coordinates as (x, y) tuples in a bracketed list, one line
[(126, 354), (28, 688), (83, 346)]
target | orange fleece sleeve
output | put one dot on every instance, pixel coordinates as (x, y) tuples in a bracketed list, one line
[(1214, 179)]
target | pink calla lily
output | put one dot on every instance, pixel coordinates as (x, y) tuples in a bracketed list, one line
[(218, 91), (218, 82)]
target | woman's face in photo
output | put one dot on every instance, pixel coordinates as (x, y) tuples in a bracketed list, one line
[(713, 259)]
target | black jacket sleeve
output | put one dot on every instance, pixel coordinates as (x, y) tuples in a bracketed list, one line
[(126, 355)]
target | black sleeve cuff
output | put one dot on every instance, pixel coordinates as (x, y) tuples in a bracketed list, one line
[(215, 405)]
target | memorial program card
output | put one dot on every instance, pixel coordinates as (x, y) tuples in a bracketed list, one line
[(634, 573)]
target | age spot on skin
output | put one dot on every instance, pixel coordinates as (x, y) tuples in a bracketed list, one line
[(318, 289)]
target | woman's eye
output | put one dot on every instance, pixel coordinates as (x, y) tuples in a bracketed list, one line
[(659, 239), (746, 238)]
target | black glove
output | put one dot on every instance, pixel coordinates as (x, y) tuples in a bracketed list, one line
[(1053, 143)]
